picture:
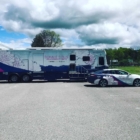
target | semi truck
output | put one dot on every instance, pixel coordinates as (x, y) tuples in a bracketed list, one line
[(50, 63)]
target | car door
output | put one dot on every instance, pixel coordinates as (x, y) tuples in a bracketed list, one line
[(122, 76), (109, 76), (112, 75)]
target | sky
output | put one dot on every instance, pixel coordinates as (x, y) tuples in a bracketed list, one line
[(80, 23)]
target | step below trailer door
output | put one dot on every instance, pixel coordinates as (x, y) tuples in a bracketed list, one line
[(72, 71), (37, 60), (76, 71)]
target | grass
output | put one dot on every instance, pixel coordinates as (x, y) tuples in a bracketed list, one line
[(130, 69)]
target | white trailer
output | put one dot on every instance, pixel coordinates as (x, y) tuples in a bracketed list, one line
[(50, 63)]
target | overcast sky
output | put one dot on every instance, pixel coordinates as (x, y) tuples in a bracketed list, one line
[(95, 23)]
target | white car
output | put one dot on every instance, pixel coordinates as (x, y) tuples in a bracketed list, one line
[(118, 77)]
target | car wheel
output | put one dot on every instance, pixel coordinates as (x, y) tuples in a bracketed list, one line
[(26, 78), (136, 83), (103, 83), (14, 78)]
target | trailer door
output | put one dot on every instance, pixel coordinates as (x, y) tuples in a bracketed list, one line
[(77, 71), (38, 60)]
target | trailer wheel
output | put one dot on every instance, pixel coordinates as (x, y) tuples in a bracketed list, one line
[(26, 78), (14, 78)]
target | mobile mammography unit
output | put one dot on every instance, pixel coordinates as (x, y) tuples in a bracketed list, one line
[(50, 63)]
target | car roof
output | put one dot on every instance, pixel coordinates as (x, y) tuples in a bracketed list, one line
[(110, 69)]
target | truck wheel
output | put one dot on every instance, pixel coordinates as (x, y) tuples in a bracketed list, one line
[(136, 83), (26, 78), (14, 78), (103, 83)]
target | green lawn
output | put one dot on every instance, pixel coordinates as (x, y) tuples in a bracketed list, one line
[(130, 69)]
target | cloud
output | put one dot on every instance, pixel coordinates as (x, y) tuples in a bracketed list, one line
[(105, 33), (65, 21), (81, 23), (16, 44), (63, 16), (109, 34)]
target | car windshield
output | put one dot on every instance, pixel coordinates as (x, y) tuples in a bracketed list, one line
[(98, 72)]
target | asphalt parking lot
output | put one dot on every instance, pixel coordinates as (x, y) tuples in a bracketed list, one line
[(68, 111)]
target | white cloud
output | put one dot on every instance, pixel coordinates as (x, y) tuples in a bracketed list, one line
[(109, 33), (91, 22), (16, 44)]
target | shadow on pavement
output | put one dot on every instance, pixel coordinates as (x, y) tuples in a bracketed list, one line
[(88, 85), (43, 81)]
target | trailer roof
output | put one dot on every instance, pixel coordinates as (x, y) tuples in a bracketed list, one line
[(57, 48), (62, 48)]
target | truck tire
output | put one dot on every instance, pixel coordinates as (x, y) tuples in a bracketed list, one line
[(14, 78), (26, 78)]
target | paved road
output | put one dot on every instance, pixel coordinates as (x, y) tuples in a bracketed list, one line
[(68, 111)]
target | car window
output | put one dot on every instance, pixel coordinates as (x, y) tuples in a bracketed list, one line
[(117, 72), (111, 72), (121, 72), (105, 72), (99, 72)]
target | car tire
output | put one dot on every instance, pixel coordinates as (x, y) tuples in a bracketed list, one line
[(26, 78), (136, 83), (103, 83), (14, 78)]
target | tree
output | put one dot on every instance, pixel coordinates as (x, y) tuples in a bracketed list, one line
[(110, 55), (47, 38), (120, 54)]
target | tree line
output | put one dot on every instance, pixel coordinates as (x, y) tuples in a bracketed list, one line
[(124, 56)]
